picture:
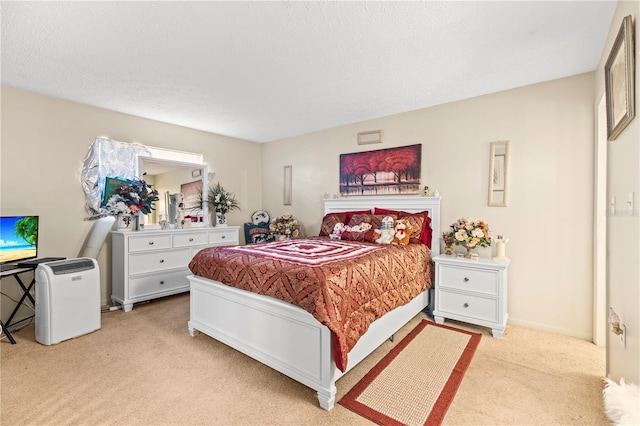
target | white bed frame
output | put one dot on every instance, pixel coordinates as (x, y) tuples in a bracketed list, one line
[(288, 338)]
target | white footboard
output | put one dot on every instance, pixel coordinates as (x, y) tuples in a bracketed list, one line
[(283, 336)]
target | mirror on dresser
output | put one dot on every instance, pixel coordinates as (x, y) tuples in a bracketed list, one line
[(172, 177)]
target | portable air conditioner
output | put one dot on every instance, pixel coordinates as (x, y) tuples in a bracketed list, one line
[(67, 299)]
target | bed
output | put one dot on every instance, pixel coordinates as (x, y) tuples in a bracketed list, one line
[(287, 337)]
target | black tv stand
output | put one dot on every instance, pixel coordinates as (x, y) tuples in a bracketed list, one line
[(8, 267)]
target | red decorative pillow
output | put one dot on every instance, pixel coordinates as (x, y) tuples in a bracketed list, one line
[(368, 236), (330, 219), (425, 235), (374, 219)]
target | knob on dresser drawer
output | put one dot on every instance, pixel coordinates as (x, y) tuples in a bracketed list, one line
[(466, 279), (466, 305)]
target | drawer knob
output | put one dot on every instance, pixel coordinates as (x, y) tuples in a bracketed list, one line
[(190, 239), (161, 282), (223, 237), (150, 243), (466, 279), (161, 260), (466, 305)]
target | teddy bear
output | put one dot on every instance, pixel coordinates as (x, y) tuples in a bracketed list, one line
[(402, 232), (338, 229), (386, 231)]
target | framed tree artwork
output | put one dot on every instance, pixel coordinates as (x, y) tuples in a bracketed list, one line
[(381, 172), (619, 72)]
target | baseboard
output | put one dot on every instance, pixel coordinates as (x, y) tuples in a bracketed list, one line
[(584, 335)]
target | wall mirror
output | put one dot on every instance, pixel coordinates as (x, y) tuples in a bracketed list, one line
[(172, 177), (499, 174)]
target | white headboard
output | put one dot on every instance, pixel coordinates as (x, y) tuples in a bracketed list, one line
[(412, 204)]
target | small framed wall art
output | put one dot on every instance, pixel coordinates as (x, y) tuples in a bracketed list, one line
[(619, 72)]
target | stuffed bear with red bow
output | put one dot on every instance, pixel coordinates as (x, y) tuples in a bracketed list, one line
[(402, 232)]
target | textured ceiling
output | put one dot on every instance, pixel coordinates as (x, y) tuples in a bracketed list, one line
[(263, 71)]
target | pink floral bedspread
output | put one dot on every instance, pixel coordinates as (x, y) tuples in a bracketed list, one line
[(345, 285)]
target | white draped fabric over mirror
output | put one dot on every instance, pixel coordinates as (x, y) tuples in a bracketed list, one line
[(107, 158)]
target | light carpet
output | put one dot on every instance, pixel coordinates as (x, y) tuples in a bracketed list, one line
[(415, 383), (143, 368)]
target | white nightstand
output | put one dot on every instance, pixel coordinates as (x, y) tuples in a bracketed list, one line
[(473, 291)]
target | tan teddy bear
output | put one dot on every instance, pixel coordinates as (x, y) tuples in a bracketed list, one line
[(402, 232)]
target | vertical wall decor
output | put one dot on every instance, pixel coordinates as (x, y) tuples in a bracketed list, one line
[(619, 74), (498, 173), (381, 172), (288, 194)]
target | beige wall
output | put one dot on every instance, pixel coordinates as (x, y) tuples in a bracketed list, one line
[(44, 141), (549, 219), (623, 230)]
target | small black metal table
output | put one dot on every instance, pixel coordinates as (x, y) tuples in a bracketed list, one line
[(26, 293)]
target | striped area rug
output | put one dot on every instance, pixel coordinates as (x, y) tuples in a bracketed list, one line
[(415, 383)]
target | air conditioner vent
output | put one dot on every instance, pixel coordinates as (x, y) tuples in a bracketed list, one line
[(71, 266)]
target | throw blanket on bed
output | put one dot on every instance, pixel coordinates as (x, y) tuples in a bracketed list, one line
[(345, 285)]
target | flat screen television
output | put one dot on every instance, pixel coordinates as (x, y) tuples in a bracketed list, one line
[(18, 238)]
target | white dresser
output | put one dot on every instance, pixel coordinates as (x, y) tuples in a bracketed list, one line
[(150, 264), (473, 291)]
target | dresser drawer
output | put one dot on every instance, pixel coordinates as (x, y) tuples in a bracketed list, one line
[(190, 239), (467, 305), (157, 261), (145, 286), (476, 280), (149, 242), (226, 237)]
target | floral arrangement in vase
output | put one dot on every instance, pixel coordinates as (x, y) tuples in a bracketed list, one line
[(284, 227), (222, 202), (449, 240), (135, 196), (471, 234), (130, 199)]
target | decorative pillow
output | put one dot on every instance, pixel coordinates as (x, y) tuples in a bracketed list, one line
[(375, 220), (330, 219), (368, 236), (426, 232)]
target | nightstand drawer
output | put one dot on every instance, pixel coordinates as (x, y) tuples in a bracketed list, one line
[(149, 242), (476, 280), (467, 305), (153, 262)]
